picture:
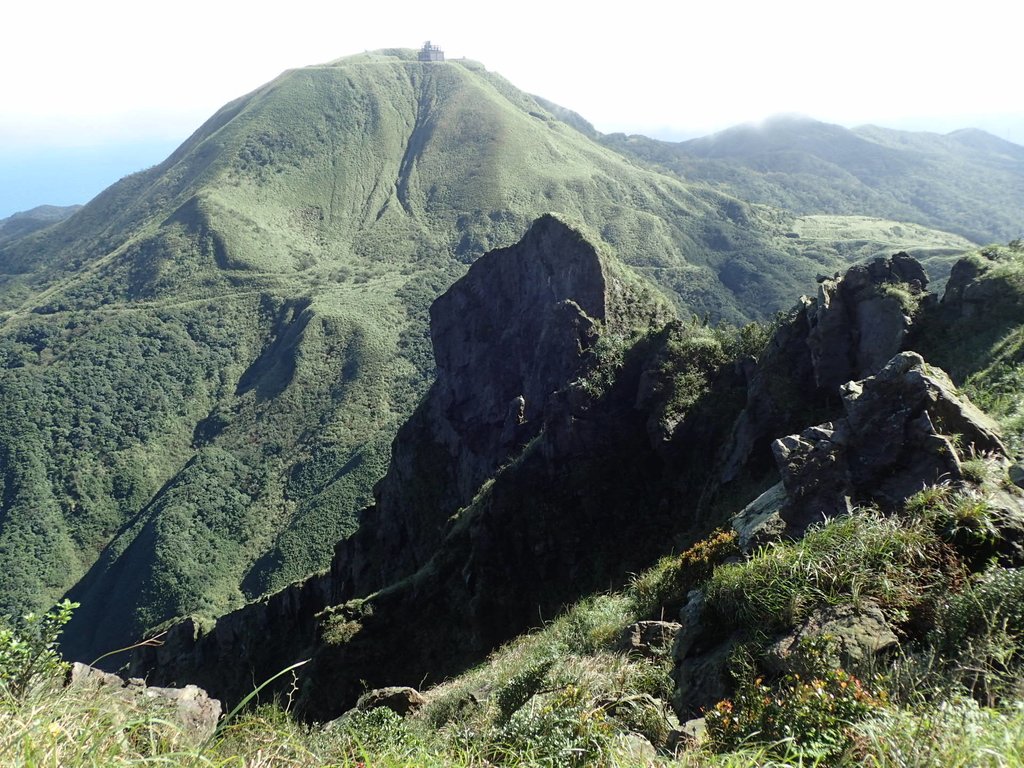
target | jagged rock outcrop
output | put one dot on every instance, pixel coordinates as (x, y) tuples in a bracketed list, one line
[(900, 430), (496, 508), (506, 336), (894, 439), (972, 293), (853, 327), (857, 325), (243, 648)]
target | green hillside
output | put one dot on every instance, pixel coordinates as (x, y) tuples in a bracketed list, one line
[(202, 370), (25, 222), (967, 182)]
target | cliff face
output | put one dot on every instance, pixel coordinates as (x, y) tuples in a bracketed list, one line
[(515, 329)]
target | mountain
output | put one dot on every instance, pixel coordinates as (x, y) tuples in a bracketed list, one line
[(25, 222), (967, 182), (202, 370)]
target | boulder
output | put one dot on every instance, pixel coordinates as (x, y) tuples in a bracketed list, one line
[(759, 522), (689, 735), (859, 632), (634, 749), (701, 676), (190, 706)]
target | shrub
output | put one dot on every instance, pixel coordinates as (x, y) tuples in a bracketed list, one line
[(376, 730), (812, 711), (663, 588), (521, 687), (563, 729), (28, 648)]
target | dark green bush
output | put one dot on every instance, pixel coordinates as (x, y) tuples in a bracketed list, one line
[(521, 687)]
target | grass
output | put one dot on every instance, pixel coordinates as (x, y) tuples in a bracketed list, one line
[(846, 560), (568, 694)]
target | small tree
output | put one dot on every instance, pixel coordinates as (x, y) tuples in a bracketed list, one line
[(28, 648)]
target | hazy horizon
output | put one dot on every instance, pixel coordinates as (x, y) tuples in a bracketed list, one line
[(85, 79)]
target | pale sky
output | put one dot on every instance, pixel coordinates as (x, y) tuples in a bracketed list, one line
[(112, 73)]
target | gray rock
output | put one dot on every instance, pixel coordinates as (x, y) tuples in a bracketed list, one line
[(759, 522), (689, 735), (701, 655), (856, 326), (860, 632), (703, 679), (195, 710), (84, 675), (1016, 474), (892, 442), (400, 699), (636, 750), (848, 332), (192, 708)]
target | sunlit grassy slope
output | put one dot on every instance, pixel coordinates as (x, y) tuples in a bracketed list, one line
[(201, 371)]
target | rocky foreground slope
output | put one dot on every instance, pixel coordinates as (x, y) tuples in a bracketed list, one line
[(573, 436)]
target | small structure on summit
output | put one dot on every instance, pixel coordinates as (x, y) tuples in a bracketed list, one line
[(431, 53)]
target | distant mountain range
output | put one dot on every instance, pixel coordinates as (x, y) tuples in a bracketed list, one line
[(203, 369), (26, 222), (967, 182)]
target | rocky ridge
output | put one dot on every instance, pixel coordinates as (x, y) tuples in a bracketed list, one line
[(512, 340), (526, 453)]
